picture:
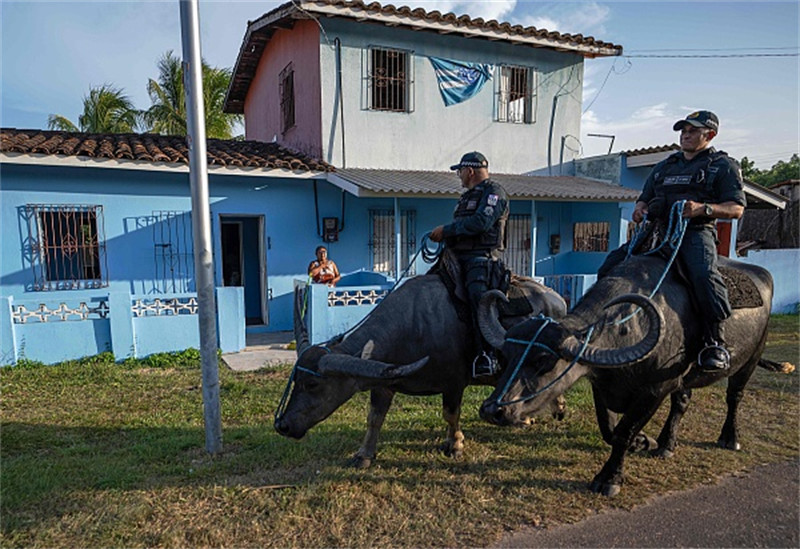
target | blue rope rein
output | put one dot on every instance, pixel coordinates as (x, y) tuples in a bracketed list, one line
[(676, 230), (529, 345), (281, 409), (429, 254)]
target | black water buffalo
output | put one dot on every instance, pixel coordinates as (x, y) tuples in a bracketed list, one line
[(413, 342), (633, 361)]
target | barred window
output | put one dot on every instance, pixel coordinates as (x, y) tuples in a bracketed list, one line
[(287, 97), (590, 237), (382, 240), (173, 252), (518, 251), (516, 94), (67, 246), (388, 80)]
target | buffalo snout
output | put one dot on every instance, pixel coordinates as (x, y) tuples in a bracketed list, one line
[(493, 413), (285, 428)]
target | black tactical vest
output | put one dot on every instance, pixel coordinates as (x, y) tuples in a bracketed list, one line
[(675, 181), (494, 238)]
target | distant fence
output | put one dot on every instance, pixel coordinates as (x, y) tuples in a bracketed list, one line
[(569, 286), (65, 325), (330, 311), (784, 265)]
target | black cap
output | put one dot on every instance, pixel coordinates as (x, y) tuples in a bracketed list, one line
[(472, 159), (699, 119)]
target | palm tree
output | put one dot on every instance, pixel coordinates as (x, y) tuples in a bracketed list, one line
[(167, 114), (105, 110)]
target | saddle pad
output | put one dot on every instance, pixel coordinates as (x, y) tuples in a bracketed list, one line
[(518, 302), (742, 291)]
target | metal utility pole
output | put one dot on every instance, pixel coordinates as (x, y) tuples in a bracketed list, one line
[(201, 220)]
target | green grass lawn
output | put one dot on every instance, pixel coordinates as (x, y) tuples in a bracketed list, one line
[(97, 454)]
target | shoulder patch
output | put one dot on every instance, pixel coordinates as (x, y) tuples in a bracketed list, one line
[(492, 199)]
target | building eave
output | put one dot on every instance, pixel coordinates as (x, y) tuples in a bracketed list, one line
[(71, 161)]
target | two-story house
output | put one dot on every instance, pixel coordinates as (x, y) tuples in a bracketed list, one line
[(362, 87), (348, 140)]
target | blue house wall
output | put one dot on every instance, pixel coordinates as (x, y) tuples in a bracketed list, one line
[(141, 210)]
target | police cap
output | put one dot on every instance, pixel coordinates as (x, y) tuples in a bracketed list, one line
[(699, 119), (472, 159)]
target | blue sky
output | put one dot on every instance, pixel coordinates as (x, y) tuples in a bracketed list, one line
[(52, 52)]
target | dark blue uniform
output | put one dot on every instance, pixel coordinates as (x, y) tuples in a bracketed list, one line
[(710, 177), (477, 235)]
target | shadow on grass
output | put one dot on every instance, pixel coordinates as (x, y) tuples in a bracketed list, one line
[(42, 460)]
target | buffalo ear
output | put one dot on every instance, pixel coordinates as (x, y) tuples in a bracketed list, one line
[(349, 366)]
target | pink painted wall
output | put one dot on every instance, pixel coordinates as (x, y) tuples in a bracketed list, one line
[(262, 108)]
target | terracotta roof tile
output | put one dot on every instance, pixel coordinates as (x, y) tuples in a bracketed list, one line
[(260, 31), (651, 150), (155, 148)]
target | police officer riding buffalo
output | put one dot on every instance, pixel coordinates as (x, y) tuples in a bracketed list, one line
[(710, 183), (477, 236)]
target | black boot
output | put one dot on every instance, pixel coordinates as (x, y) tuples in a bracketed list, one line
[(713, 357)]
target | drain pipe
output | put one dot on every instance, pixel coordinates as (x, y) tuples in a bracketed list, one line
[(338, 44), (550, 137)]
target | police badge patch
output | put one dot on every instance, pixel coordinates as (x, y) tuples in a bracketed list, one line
[(488, 210), (492, 199)]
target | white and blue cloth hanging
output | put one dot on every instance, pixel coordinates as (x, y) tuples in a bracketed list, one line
[(458, 81)]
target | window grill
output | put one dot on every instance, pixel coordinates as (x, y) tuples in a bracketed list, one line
[(515, 90), (590, 237), (68, 250), (287, 97), (382, 241), (173, 254), (518, 252), (389, 82)]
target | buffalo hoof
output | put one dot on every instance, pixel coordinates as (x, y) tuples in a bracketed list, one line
[(642, 443), (360, 462), (608, 490), (447, 449), (661, 453), (729, 444), (558, 408)]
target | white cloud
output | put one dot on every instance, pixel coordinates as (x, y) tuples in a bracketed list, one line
[(487, 9), (586, 18), (647, 126)]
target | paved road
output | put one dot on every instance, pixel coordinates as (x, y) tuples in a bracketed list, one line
[(759, 509)]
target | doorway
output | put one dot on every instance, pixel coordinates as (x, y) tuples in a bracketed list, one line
[(244, 263)]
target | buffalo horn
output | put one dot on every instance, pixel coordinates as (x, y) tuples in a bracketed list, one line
[(613, 358), (489, 318), (350, 366)]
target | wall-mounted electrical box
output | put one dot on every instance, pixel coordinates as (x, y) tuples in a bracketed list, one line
[(330, 229), (555, 244)]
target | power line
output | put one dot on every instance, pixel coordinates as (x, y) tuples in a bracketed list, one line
[(718, 49), (716, 56), (603, 85)]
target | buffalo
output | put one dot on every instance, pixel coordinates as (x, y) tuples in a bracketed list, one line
[(635, 350), (413, 342)]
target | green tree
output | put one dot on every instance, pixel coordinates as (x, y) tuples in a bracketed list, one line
[(167, 114), (781, 171), (749, 170), (105, 110)]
